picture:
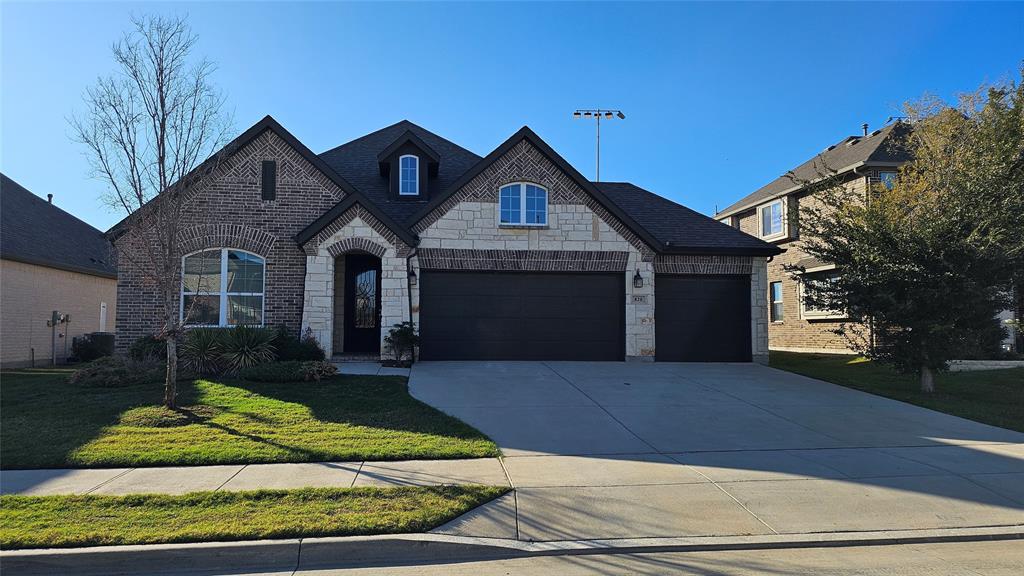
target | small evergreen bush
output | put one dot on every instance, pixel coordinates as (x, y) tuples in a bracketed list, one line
[(289, 347), (147, 347)]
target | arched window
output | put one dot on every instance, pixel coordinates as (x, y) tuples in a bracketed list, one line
[(409, 175), (523, 204), (222, 287)]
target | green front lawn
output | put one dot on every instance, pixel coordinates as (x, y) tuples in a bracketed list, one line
[(994, 397), (67, 521), (46, 422)]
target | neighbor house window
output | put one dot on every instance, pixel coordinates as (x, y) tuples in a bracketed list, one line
[(810, 311), (775, 295), (409, 175), (771, 217), (222, 287), (888, 179), (523, 204)]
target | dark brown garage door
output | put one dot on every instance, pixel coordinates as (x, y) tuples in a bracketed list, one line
[(521, 316), (702, 318)]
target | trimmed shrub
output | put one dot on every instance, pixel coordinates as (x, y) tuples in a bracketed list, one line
[(147, 348), (245, 346), (289, 347), (201, 351), (106, 372), (89, 347), (289, 371)]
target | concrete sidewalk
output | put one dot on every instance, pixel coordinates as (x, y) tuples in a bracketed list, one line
[(183, 479)]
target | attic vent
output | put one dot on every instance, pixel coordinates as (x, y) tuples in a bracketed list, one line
[(853, 141), (832, 147), (269, 180), (876, 132)]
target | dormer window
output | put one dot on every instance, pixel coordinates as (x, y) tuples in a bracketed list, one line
[(409, 175)]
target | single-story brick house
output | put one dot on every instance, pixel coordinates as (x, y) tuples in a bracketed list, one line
[(49, 261), (514, 255)]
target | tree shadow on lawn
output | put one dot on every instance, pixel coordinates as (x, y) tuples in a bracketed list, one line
[(367, 401), (47, 422), (45, 419)]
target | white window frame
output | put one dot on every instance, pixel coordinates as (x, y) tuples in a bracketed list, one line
[(816, 314), (222, 293), (522, 205), (772, 302), (783, 217), (402, 181)]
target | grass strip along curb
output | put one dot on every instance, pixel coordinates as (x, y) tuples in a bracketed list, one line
[(76, 521)]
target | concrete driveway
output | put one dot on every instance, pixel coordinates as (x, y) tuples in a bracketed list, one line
[(616, 450)]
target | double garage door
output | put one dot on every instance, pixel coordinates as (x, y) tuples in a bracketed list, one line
[(558, 316), (521, 316)]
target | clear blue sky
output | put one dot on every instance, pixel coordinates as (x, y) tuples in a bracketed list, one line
[(719, 98)]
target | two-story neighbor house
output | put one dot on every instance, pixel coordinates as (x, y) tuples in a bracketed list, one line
[(771, 213), (513, 255)]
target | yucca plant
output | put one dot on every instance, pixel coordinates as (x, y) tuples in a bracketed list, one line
[(201, 351), (246, 346)]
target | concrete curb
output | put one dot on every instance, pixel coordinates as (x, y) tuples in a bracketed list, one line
[(406, 549)]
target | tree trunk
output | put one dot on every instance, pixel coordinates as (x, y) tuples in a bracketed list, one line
[(171, 381), (927, 381)]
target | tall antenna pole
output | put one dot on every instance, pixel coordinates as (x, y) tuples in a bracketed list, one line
[(596, 114)]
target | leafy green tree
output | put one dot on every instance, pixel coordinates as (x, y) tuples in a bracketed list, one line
[(928, 261)]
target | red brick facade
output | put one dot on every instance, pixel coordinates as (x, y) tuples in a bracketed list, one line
[(227, 210)]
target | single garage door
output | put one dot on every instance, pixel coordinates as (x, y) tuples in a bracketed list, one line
[(702, 318), (521, 316)]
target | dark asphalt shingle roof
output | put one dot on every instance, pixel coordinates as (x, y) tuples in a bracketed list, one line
[(678, 227), (882, 146), (33, 230), (356, 162)]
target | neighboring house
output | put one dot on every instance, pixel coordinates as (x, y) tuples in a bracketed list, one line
[(772, 214), (49, 261), (511, 256)]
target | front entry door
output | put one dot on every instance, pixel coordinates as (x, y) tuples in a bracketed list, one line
[(362, 304)]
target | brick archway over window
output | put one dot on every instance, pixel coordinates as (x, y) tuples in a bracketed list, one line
[(362, 244), (205, 236)]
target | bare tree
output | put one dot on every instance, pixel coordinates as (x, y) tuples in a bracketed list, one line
[(147, 127)]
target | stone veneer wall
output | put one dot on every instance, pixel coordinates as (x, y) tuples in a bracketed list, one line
[(355, 230), (226, 209)]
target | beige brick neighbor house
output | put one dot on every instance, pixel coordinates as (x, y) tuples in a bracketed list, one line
[(514, 255), (772, 213), (49, 261)]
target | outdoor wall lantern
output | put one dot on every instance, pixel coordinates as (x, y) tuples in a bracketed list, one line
[(412, 277), (638, 280)]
